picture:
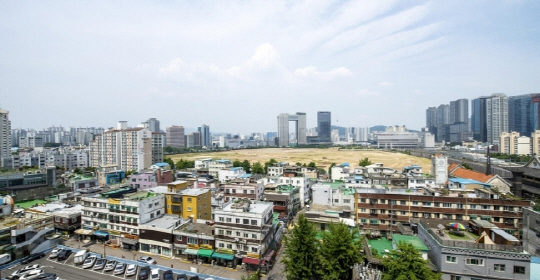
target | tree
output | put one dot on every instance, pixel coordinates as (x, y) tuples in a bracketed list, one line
[(246, 166), (169, 161), (330, 168), (339, 251), (268, 164), (301, 251), (312, 165), (257, 168), (321, 171), (237, 163), (77, 170), (405, 263), (365, 162), (298, 164)]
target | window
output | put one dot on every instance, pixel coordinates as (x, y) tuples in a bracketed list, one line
[(336, 200), (179, 237), (220, 232), (254, 236), (189, 209), (362, 200), (251, 191), (427, 203), (459, 206), (151, 215), (403, 202), (519, 269), (237, 233), (403, 213), (447, 205), (221, 245), (346, 201), (254, 249), (453, 277), (176, 209), (229, 232), (246, 222), (246, 235), (245, 191), (229, 220), (437, 204), (451, 259), (189, 199), (471, 261), (363, 210), (496, 207), (237, 220), (191, 240), (253, 222), (229, 246), (499, 267), (415, 203), (220, 219), (486, 207)]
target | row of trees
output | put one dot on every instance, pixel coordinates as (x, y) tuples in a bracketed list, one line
[(330, 258), (335, 254)]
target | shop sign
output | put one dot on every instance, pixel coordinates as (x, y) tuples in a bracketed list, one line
[(225, 251), (131, 236), (206, 246), (253, 255), (114, 232), (193, 246)]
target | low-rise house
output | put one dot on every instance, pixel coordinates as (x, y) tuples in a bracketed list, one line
[(457, 171), (243, 188), (226, 175), (190, 238), (156, 236)]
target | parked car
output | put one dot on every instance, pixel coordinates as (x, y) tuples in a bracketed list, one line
[(32, 274), (100, 264), (20, 272), (54, 253), (194, 277), (181, 277), (120, 268), (144, 273), (89, 262), (168, 275), (32, 258), (131, 270), (5, 258), (110, 265), (62, 256), (147, 259), (154, 275), (46, 276)]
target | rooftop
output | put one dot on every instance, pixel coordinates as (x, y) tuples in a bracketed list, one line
[(177, 182), (165, 221), (467, 181), (194, 192), (381, 245), (196, 228), (29, 203), (470, 174), (257, 207), (411, 239)]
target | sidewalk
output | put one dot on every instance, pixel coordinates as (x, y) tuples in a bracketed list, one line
[(176, 263)]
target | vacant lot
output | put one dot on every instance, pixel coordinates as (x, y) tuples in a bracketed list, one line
[(321, 157)]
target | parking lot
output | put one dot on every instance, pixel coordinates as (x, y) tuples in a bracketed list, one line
[(67, 270)]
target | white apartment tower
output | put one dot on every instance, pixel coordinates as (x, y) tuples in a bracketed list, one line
[(283, 128), (439, 169), (5, 134), (175, 136), (129, 148), (496, 116)]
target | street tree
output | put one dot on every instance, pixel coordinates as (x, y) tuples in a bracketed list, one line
[(268, 164), (237, 163), (406, 263), (330, 168), (312, 165), (339, 251), (246, 166), (301, 257)]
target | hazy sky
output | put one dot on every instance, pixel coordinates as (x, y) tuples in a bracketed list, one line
[(235, 65)]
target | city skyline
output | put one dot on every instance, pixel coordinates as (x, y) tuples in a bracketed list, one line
[(369, 63)]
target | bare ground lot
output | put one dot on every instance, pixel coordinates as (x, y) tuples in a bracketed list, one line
[(322, 157)]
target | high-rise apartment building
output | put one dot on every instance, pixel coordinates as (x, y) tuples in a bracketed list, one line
[(431, 119), (478, 119), (175, 136), (153, 124), (459, 111), (283, 128), (443, 118), (512, 143), (5, 134), (126, 148), (361, 134), (324, 126), (496, 116), (206, 140)]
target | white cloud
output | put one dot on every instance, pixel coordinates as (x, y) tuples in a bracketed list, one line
[(312, 72), (367, 93), (386, 84)]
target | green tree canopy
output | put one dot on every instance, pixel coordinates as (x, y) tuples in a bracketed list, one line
[(237, 163), (183, 164), (405, 263), (257, 168), (298, 164), (365, 162), (339, 251), (246, 166), (301, 256), (330, 168), (268, 164), (169, 161), (312, 165)]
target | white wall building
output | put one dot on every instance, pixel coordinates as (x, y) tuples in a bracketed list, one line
[(230, 174), (215, 166), (439, 168), (5, 134)]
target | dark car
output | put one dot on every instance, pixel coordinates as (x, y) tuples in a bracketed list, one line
[(64, 255), (32, 258), (46, 276), (181, 277), (144, 273), (168, 275), (194, 277)]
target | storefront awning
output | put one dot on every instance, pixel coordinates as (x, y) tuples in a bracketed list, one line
[(223, 256), (191, 251), (250, 261), (473, 217), (269, 256), (180, 246), (205, 253), (84, 231), (101, 234), (129, 241)]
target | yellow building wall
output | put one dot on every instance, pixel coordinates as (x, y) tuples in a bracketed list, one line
[(177, 187), (197, 206), (169, 205)]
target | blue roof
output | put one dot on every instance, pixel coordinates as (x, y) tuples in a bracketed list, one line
[(345, 164), (161, 164), (245, 176), (358, 177), (223, 161), (535, 266), (235, 168), (466, 181), (412, 166)]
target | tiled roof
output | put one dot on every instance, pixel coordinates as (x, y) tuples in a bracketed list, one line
[(452, 166), (470, 174)]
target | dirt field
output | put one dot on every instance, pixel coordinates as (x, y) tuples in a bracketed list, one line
[(321, 157)]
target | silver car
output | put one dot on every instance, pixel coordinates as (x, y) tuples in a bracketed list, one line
[(100, 263), (89, 262), (120, 268), (110, 265), (131, 270)]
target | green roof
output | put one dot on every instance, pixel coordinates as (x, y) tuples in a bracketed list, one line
[(414, 240), (380, 244), (334, 185), (29, 203), (275, 221)]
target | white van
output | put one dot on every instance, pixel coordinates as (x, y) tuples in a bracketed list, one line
[(81, 256), (5, 258)]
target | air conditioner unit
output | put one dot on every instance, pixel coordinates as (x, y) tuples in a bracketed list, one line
[(235, 239)]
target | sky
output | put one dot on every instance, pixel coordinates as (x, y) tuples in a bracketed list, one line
[(236, 65)]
